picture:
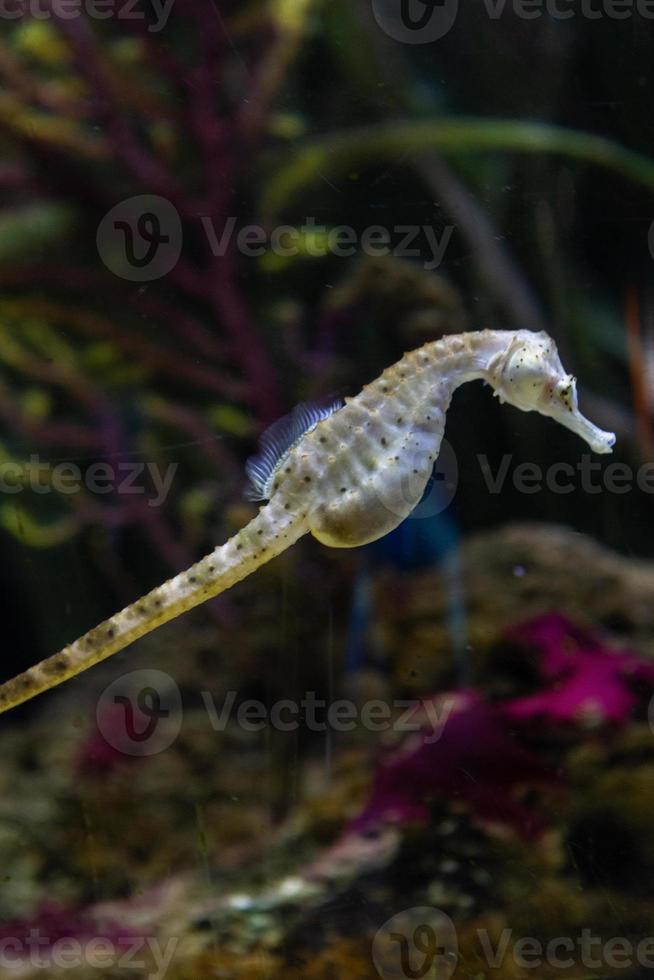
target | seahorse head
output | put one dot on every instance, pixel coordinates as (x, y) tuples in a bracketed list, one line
[(530, 376)]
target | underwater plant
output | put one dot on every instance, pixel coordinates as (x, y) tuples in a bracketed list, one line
[(348, 474), (583, 680), (474, 761)]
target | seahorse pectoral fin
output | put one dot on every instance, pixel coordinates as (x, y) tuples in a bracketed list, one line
[(277, 441)]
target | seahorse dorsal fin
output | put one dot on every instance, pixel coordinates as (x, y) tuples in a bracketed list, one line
[(277, 441)]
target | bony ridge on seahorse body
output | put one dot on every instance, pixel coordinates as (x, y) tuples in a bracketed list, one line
[(348, 473)]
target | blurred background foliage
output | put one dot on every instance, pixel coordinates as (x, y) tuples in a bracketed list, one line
[(529, 138)]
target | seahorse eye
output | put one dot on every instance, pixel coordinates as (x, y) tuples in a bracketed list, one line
[(566, 392)]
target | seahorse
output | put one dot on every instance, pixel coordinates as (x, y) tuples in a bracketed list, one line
[(347, 472)]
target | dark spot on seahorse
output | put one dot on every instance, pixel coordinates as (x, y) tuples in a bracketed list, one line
[(192, 579), (111, 632), (24, 682), (383, 441), (239, 547), (287, 506), (287, 470), (56, 665), (157, 603), (385, 389), (260, 532), (400, 420), (211, 568), (323, 439), (307, 479), (343, 489)]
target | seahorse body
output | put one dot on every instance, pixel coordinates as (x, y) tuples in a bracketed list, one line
[(348, 474)]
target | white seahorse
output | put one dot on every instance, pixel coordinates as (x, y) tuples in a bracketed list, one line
[(348, 473)]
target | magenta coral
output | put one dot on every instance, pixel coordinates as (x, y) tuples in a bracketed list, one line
[(53, 922), (476, 758), (584, 680), (475, 761)]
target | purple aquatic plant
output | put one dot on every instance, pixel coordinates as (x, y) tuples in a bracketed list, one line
[(53, 922), (583, 679), (477, 760), (109, 745), (183, 123), (474, 760)]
